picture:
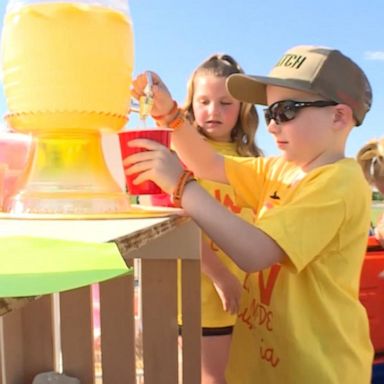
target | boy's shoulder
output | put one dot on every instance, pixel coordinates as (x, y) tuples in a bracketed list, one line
[(343, 177), (348, 169)]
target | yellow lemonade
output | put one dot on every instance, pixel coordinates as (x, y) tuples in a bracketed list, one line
[(67, 66)]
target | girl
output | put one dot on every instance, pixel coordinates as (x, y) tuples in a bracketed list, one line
[(230, 127), (371, 159)]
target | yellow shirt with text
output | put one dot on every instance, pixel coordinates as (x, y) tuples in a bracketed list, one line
[(212, 313), (301, 321)]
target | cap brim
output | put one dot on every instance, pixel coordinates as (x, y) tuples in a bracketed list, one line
[(252, 89)]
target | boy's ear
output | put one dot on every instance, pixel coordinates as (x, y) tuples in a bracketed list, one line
[(343, 115)]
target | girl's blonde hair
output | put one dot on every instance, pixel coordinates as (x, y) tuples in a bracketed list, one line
[(371, 159), (243, 133)]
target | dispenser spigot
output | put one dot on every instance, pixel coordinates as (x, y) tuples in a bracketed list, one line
[(146, 101)]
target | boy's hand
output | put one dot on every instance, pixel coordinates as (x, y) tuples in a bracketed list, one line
[(158, 164), (162, 99)]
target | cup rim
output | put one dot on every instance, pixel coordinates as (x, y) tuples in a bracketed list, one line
[(145, 129)]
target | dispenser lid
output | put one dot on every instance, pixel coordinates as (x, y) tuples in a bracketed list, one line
[(120, 5)]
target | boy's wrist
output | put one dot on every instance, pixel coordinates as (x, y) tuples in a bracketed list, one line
[(185, 178)]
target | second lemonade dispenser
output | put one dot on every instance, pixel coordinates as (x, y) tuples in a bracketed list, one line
[(67, 71)]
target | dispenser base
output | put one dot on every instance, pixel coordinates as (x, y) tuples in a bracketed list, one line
[(56, 203), (134, 212)]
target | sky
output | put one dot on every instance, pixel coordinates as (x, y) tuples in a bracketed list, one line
[(173, 36)]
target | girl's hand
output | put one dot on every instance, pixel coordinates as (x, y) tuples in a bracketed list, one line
[(229, 290), (162, 99), (379, 230), (158, 164), (227, 286)]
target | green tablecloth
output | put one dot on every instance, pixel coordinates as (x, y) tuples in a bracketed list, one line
[(31, 267)]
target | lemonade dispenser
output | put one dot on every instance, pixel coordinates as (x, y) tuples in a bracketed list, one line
[(67, 71)]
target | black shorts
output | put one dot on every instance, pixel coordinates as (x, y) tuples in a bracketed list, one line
[(218, 331)]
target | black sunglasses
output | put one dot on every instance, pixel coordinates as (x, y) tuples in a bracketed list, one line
[(286, 110)]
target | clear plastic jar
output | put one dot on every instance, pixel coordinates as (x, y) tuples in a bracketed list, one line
[(67, 71), (67, 64)]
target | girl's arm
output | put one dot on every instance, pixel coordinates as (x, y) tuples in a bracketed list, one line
[(192, 149), (198, 155), (379, 230), (226, 284)]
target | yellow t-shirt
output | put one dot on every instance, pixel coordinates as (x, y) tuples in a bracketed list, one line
[(212, 313), (301, 321)]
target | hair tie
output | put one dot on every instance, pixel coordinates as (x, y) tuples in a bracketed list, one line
[(372, 166)]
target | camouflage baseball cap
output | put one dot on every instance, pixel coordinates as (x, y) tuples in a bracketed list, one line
[(323, 71)]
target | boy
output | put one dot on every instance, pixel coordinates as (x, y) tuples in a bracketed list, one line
[(300, 320)]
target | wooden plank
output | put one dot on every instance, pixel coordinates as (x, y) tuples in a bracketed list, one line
[(191, 312), (28, 342), (160, 333), (77, 334), (8, 304), (12, 349), (37, 324), (117, 330)]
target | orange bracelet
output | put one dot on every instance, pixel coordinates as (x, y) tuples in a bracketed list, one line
[(185, 178), (171, 112), (175, 123)]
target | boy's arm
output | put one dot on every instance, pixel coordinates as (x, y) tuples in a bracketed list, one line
[(250, 248)]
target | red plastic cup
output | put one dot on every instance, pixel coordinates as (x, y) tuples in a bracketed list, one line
[(162, 136)]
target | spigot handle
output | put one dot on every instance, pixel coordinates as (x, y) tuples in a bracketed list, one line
[(146, 101), (148, 90), (144, 106)]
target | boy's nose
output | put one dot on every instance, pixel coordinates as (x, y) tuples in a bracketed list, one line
[(272, 127)]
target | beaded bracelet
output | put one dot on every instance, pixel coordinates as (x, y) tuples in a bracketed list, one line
[(185, 178), (175, 123), (171, 112)]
